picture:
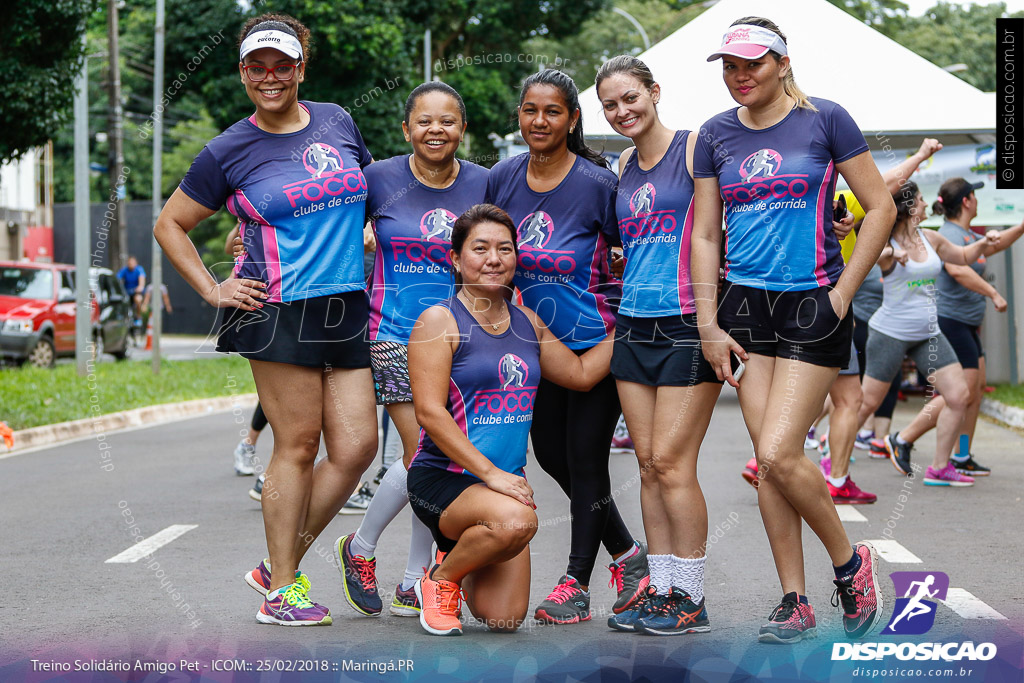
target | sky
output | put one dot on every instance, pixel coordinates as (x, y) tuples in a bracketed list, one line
[(918, 7)]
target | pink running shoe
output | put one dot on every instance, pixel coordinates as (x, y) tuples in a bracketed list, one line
[(947, 476), (861, 602), (749, 473), (849, 494), (825, 465)]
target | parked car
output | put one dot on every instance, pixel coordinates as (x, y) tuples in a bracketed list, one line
[(37, 312)]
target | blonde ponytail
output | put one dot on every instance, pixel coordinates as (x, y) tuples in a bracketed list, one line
[(793, 90)]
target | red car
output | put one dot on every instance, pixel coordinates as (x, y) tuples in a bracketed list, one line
[(37, 312)]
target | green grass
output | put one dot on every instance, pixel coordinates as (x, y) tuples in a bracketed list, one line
[(30, 397), (1010, 394)]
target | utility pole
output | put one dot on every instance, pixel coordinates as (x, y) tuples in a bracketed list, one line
[(118, 242), (83, 232), (156, 299)]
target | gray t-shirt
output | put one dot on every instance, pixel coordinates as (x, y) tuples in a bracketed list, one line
[(956, 301), (869, 297)]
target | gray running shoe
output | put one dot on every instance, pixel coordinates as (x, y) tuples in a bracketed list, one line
[(256, 492), (244, 454), (567, 604), (630, 578), (358, 502)]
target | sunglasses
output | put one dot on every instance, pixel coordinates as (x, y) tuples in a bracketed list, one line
[(282, 72)]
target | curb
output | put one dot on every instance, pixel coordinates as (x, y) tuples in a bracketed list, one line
[(101, 425), (1009, 415)]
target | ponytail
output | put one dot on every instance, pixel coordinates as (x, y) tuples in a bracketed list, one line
[(570, 94)]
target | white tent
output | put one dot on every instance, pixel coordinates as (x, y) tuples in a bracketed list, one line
[(887, 88)]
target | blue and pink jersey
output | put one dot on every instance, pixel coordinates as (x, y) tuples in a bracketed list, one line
[(777, 185), (491, 391), (564, 234), (413, 226), (655, 213), (299, 197)]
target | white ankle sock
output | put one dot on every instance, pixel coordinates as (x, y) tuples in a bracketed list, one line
[(661, 572), (900, 441), (838, 483), (688, 574)]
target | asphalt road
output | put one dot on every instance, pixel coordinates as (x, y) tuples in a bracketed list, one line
[(64, 514)]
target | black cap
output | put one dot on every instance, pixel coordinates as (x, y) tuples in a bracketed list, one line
[(965, 191)]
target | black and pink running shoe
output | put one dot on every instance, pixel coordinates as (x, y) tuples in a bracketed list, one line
[(790, 622), (861, 602)]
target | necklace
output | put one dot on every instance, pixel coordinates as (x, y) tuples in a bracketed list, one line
[(472, 308)]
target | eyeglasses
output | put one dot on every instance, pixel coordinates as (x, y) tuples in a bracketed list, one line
[(282, 72)]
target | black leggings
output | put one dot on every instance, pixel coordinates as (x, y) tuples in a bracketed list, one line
[(572, 434), (860, 341), (259, 419)]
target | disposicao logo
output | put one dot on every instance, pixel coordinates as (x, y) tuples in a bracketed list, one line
[(914, 614)]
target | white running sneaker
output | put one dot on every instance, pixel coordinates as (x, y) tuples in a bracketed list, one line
[(244, 454)]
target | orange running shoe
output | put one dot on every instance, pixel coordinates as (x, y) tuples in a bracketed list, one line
[(441, 603)]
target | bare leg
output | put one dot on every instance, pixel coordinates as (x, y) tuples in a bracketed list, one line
[(924, 421), (499, 594), (638, 404), (976, 383), (873, 392), (291, 397), (781, 520), (797, 390), (403, 417), (350, 435), (490, 528), (842, 431), (950, 381)]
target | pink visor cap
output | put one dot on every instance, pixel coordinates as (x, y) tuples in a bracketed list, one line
[(749, 42)]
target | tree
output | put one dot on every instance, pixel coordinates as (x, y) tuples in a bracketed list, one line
[(607, 34), (42, 55), (950, 34)]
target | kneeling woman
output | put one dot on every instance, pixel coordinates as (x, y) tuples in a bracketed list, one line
[(474, 365)]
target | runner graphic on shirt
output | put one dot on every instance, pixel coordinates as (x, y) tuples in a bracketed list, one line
[(510, 366), (323, 159), (643, 200), (536, 230), (764, 162), (440, 223)]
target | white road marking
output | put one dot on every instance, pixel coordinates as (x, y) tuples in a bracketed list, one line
[(969, 607), (848, 513), (891, 551), (147, 545)]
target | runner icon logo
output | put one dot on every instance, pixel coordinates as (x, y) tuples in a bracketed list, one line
[(436, 225), (319, 158), (512, 370), (535, 230), (763, 162), (642, 201), (914, 613)]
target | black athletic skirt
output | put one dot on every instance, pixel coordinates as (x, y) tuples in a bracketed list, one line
[(322, 332)]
